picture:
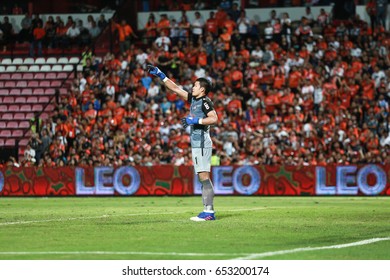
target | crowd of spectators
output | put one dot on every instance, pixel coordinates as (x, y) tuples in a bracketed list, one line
[(283, 93), (53, 33)]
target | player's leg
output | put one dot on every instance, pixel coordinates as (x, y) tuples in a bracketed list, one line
[(207, 191), (202, 159)]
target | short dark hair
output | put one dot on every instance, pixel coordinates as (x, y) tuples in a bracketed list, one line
[(204, 83)]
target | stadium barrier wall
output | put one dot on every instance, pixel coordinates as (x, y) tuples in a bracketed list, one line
[(16, 20), (257, 14), (362, 180)]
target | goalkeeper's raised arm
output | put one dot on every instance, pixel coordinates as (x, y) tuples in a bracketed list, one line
[(168, 82)]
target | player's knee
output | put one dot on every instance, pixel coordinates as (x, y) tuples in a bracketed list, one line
[(204, 176)]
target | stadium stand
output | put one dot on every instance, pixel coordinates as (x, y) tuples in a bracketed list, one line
[(310, 92)]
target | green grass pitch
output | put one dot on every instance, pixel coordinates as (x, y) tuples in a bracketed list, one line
[(140, 228)]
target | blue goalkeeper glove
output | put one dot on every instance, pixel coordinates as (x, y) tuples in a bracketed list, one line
[(156, 72), (189, 121)]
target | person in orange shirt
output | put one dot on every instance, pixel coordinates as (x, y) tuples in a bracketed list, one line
[(212, 25), (226, 38), (294, 79), (279, 78), (220, 16), (38, 36), (125, 33), (229, 24), (368, 86), (151, 30), (237, 77), (219, 64), (163, 25)]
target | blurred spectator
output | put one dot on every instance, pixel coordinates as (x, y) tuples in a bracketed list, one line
[(25, 32), (72, 35), (38, 36), (151, 29), (102, 22), (7, 33), (50, 31), (163, 42), (197, 28), (16, 10)]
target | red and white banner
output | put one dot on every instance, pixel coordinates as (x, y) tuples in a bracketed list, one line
[(370, 179)]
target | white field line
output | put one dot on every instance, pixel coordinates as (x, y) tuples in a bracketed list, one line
[(119, 253), (247, 257), (116, 215), (306, 249)]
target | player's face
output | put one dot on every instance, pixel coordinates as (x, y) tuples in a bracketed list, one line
[(197, 90)]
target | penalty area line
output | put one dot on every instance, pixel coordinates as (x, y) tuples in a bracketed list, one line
[(117, 215), (307, 249), (119, 253)]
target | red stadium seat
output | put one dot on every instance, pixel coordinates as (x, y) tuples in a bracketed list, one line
[(33, 84), (44, 116), (9, 142), (3, 108), (25, 108), (44, 83), (51, 76), (21, 84), (32, 99), (5, 133), (28, 76), (24, 124), (19, 116), (37, 108), (39, 76), (56, 83), (26, 91), (50, 108), (4, 92), (3, 125), (2, 141), (15, 91), (12, 124), (8, 99), (49, 91), (29, 115), (5, 76), (13, 108), (38, 91), (62, 75), (43, 99), (23, 142), (16, 76), (10, 84), (17, 133), (20, 99), (7, 117)]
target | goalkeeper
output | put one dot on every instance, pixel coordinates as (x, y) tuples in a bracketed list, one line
[(202, 115)]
